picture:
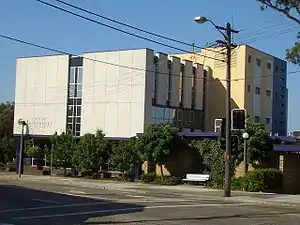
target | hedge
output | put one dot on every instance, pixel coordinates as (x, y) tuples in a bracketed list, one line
[(259, 180), (153, 178)]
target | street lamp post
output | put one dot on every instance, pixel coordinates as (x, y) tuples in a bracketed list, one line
[(227, 36), (245, 137), (23, 124)]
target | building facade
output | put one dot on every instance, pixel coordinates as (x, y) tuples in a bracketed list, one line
[(258, 85), (120, 92)]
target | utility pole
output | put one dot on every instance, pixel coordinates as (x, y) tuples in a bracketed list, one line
[(228, 44), (23, 124), (227, 191)]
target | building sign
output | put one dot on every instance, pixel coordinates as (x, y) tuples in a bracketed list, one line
[(39, 123)]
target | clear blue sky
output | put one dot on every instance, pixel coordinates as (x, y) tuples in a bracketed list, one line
[(34, 22)]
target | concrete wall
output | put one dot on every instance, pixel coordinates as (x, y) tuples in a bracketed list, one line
[(114, 96), (244, 73), (259, 76), (41, 94)]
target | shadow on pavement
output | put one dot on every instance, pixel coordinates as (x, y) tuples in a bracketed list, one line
[(20, 205)]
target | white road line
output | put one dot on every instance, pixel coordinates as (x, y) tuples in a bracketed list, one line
[(54, 207), (124, 210), (81, 204), (77, 192), (45, 201)]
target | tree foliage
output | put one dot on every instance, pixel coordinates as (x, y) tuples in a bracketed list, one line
[(62, 148), (7, 145), (158, 143), (90, 151), (212, 157), (31, 149), (124, 156), (7, 149), (259, 143), (291, 9)]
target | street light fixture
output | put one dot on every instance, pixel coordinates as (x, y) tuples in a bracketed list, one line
[(23, 124), (227, 43), (245, 137)]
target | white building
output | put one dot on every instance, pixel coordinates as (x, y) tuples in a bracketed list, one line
[(120, 92)]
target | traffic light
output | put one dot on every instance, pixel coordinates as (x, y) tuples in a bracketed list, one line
[(238, 121), (223, 128)]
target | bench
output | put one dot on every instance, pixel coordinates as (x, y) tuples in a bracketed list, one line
[(201, 178)]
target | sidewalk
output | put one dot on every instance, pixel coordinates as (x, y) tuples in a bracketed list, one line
[(181, 190)]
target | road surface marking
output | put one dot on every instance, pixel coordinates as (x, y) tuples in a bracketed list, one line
[(6, 224), (77, 192), (126, 209), (44, 201)]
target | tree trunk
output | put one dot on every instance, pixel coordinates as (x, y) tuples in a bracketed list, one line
[(161, 172)]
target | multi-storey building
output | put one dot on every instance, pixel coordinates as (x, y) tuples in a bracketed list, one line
[(258, 85), (120, 92)]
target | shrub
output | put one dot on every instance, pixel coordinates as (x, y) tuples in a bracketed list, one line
[(169, 180), (259, 180), (148, 177)]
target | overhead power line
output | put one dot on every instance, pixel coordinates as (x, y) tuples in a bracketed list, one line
[(120, 30), (128, 67), (130, 26)]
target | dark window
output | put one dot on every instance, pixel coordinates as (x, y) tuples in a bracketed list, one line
[(70, 110), (281, 96), (282, 105), (258, 62), (268, 120), (78, 120), (249, 88), (77, 127), (268, 92), (269, 65), (281, 122), (78, 101), (77, 134), (249, 58), (256, 119), (282, 78), (257, 90), (281, 113), (276, 69), (78, 110), (69, 119)]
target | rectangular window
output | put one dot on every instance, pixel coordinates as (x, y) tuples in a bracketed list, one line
[(78, 110), (79, 90), (78, 119), (249, 88), (69, 128), (191, 116), (282, 105), (281, 113), (79, 75), (179, 115), (258, 62), (268, 120), (276, 69), (70, 120), (72, 90), (282, 78), (77, 127), (281, 96), (249, 59), (72, 75), (268, 92), (70, 110), (256, 119), (257, 90), (269, 65)]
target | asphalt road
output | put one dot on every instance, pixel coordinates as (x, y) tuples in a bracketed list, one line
[(24, 203)]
